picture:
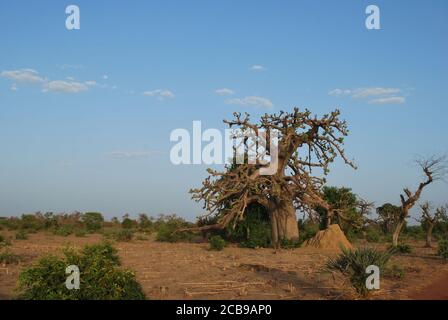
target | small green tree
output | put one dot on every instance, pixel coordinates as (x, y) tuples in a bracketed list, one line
[(93, 221)]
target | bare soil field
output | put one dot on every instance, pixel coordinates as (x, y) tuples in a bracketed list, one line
[(191, 271)]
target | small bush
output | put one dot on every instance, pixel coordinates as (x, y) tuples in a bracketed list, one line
[(394, 272), (217, 243), (141, 238), (403, 248), (373, 235), (167, 227), (353, 264), (123, 235), (129, 223), (7, 257), (21, 235), (289, 244), (93, 221), (4, 241), (80, 233), (63, 231), (101, 278), (254, 231), (307, 230), (443, 249)]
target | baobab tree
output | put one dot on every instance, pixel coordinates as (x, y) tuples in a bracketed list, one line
[(306, 144), (434, 168), (430, 220)]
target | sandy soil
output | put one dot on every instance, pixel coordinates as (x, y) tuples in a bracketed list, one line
[(190, 271)]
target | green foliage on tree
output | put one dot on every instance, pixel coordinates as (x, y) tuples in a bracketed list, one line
[(348, 204), (93, 221)]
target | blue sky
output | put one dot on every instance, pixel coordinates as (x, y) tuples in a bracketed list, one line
[(85, 115)]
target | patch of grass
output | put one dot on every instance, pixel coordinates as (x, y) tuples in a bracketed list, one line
[(21, 235), (373, 236), (443, 249), (289, 244), (394, 272), (80, 233), (101, 277), (7, 257), (217, 243), (4, 242), (63, 231), (403, 248), (124, 235), (353, 264), (141, 238)]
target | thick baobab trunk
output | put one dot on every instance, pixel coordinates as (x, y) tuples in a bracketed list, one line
[(396, 233), (429, 235), (283, 223)]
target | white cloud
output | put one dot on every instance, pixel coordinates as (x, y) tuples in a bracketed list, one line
[(252, 101), (160, 94), (65, 86), (377, 95), (14, 87), (258, 67), (131, 154), (90, 83), (224, 92), (23, 75), (388, 100), (340, 92), (374, 92), (71, 66)]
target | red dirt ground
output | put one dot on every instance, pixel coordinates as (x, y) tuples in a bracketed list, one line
[(190, 271)]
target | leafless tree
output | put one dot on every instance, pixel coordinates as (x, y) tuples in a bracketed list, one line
[(431, 220), (306, 143), (434, 168)]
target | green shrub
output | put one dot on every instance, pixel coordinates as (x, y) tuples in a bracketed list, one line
[(394, 272), (373, 236), (21, 235), (254, 231), (7, 257), (307, 230), (289, 244), (443, 249), (63, 230), (167, 227), (4, 241), (123, 235), (93, 221), (80, 233), (403, 248), (129, 223), (141, 238), (353, 264), (101, 278), (217, 243)]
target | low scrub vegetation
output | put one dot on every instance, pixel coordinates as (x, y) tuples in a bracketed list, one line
[(101, 277), (7, 257), (353, 264), (443, 249), (217, 243)]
